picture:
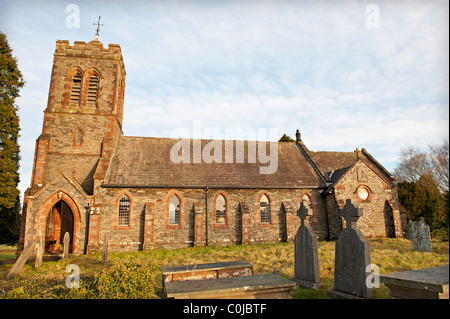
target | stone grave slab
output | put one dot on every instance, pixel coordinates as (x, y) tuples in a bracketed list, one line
[(428, 283), (207, 271), (268, 286)]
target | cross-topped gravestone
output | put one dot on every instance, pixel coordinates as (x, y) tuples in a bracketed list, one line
[(351, 214), (306, 252), (302, 213), (352, 256)]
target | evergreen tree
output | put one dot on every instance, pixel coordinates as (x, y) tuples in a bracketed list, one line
[(10, 82), (423, 199), (286, 138)]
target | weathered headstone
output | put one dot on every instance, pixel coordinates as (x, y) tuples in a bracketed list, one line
[(420, 235), (39, 251), (66, 245), (27, 253), (306, 253), (105, 249), (351, 259), (408, 230)]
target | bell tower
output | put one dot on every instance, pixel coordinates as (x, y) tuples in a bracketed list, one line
[(84, 113)]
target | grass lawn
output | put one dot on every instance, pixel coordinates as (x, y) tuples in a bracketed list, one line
[(137, 274), (7, 252)]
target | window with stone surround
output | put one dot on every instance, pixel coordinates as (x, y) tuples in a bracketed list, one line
[(79, 137), (75, 92), (124, 211), (363, 193), (174, 210), (221, 210), (264, 208)]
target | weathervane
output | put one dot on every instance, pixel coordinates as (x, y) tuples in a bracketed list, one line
[(98, 24)]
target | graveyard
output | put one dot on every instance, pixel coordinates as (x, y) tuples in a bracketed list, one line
[(142, 270)]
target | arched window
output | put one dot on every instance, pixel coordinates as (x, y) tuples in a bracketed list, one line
[(79, 136), (124, 211), (264, 208), (92, 89), (76, 89), (174, 210), (221, 210)]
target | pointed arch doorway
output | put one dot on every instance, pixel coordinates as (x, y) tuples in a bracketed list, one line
[(59, 221)]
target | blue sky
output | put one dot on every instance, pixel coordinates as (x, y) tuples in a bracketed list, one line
[(319, 66)]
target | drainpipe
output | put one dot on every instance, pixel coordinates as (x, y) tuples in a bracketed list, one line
[(206, 215)]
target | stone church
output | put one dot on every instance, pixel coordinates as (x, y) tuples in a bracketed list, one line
[(90, 180)]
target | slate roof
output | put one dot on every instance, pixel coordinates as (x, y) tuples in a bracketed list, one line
[(145, 162), (334, 164)]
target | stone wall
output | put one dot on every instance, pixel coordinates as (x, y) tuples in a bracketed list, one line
[(149, 225), (376, 221)]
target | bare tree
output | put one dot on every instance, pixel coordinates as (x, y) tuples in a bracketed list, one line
[(415, 164), (439, 158)]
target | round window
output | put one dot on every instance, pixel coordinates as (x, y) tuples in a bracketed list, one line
[(363, 192)]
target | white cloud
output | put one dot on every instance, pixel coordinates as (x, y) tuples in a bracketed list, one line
[(312, 65)]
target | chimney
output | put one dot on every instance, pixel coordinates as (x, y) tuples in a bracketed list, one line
[(298, 136)]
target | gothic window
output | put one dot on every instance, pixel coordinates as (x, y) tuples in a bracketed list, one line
[(221, 210), (174, 210), (264, 207), (124, 211), (76, 89), (92, 89)]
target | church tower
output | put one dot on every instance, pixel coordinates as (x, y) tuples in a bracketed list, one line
[(84, 114)]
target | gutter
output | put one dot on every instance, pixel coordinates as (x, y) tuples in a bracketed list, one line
[(210, 187)]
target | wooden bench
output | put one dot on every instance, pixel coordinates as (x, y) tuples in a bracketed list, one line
[(206, 271), (428, 283), (245, 287)]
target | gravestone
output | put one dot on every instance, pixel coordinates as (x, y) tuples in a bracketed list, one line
[(306, 253), (66, 245), (408, 230), (105, 249), (352, 256), (27, 253), (420, 235), (39, 251)]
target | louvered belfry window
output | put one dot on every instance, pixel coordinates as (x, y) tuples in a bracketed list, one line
[(76, 89), (92, 89)]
